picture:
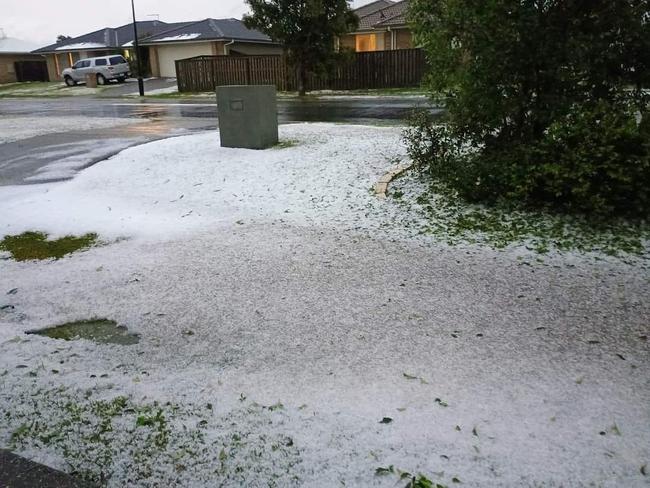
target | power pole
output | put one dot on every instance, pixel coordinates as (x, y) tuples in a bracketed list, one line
[(137, 51)]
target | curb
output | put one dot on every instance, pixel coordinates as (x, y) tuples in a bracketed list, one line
[(381, 187)]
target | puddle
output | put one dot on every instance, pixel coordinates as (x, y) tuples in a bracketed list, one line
[(100, 331)]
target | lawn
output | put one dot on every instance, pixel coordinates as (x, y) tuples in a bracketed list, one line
[(279, 325)]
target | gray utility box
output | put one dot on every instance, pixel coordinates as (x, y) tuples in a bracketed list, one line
[(248, 116)]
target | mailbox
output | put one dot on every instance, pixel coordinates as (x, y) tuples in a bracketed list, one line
[(248, 116)]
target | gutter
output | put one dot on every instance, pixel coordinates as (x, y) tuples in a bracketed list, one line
[(225, 47)]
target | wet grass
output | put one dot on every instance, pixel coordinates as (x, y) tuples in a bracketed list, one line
[(101, 331), (32, 245), (150, 444), (395, 92), (451, 219), (39, 89), (285, 144)]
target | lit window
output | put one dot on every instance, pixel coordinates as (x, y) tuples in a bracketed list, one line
[(366, 42)]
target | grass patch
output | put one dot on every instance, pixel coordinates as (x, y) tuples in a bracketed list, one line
[(101, 331), (286, 144), (373, 92), (315, 94), (35, 245), (40, 89), (414, 481), (149, 444), (456, 221)]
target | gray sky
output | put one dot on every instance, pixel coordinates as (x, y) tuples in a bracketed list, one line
[(40, 21)]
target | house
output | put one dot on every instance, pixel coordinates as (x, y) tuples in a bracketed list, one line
[(63, 54), (16, 62), (383, 26), (208, 37), (161, 44)]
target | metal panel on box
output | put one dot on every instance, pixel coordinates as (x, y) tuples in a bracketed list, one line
[(248, 116)]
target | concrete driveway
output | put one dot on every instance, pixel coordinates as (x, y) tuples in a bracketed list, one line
[(130, 87)]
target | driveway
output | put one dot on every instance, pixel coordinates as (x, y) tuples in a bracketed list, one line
[(130, 87)]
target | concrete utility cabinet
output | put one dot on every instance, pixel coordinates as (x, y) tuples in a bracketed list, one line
[(248, 116)]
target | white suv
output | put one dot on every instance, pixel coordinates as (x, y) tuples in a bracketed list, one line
[(105, 68)]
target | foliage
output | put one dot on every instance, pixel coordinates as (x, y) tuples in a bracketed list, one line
[(454, 220), (120, 442), (307, 29), (35, 245), (545, 101)]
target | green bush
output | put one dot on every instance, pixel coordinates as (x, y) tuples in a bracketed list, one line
[(595, 160), (543, 102)]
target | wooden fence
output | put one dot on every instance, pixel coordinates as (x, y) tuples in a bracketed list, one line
[(380, 69)]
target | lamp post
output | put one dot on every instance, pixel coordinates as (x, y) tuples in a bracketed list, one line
[(137, 51)]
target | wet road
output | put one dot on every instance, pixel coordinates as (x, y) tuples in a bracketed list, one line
[(20, 161)]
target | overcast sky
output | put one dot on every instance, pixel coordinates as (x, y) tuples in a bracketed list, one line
[(40, 21)]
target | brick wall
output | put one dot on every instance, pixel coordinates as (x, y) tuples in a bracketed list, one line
[(7, 70), (404, 39)]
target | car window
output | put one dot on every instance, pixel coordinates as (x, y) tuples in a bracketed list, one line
[(117, 60), (78, 64), (85, 64), (101, 62)]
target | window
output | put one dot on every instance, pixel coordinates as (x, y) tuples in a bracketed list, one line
[(85, 64), (117, 60), (366, 42), (78, 64), (101, 62)]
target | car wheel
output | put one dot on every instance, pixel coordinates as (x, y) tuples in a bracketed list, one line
[(69, 81), (101, 80)]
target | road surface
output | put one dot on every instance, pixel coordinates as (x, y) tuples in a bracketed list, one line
[(21, 160)]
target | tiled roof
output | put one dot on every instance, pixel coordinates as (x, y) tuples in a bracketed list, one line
[(372, 8), (15, 46), (397, 19), (109, 38), (209, 29), (394, 14)]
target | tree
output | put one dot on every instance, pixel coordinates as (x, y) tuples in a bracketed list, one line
[(307, 29), (62, 38), (525, 83)]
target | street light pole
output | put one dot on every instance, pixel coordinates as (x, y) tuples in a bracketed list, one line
[(137, 51)]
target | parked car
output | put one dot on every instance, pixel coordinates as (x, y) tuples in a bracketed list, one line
[(105, 68)]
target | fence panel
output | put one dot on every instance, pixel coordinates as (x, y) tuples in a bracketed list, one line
[(370, 70)]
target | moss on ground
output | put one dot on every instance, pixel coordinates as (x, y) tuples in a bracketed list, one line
[(35, 245)]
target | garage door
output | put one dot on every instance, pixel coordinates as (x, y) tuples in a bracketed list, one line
[(167, 55)]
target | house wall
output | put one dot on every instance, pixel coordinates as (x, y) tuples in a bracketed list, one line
[(348, 41), (404, 39), (252, 49), (163, 57), (154, 61), (383, 40), (7, 69), (388, 40), (51, 68), (168, 54)]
